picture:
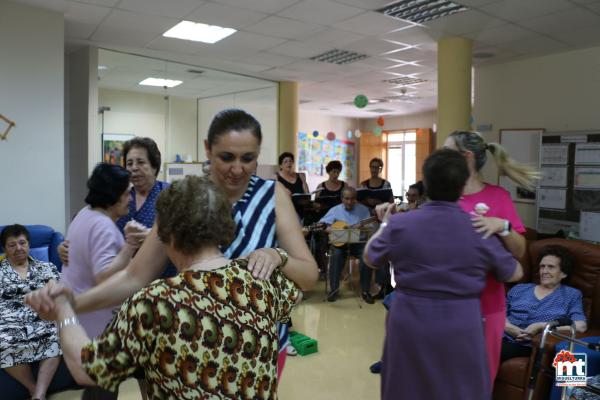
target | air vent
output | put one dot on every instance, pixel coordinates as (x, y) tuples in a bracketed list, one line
[(195, 71), (420, 11), (404, 80), (339, 57), (483, 55), (380, 110), (304, 101), (403, 97)]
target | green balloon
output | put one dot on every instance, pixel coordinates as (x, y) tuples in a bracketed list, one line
[(361, 101)]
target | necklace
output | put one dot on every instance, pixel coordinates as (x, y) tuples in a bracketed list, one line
[(203, 263)]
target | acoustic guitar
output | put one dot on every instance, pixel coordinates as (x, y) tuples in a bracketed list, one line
[(359, 225)]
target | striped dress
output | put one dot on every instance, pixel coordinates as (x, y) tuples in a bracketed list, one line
[(254, 216)]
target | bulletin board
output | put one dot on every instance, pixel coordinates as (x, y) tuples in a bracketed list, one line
[(315, 152), (570, 185)]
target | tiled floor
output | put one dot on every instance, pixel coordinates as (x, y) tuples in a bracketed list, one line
[(350, 339)]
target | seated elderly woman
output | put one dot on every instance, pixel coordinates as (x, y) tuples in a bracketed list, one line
[(24, 337), (208, 332), (529, 307)]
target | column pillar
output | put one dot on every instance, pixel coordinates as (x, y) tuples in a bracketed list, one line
[(454, 86), (288, 117)]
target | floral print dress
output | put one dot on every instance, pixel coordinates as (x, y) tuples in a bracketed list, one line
[(24, 336)]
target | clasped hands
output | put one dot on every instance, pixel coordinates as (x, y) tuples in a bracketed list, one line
[(48, 301), (525, 335)]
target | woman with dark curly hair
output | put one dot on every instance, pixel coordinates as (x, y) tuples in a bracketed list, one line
[(142, 160), (209, 332)]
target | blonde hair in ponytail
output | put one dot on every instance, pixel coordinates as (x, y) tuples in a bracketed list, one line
[(521, 174)]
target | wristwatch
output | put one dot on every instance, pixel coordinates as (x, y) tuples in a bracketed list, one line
[(507, 228), (284, 256)]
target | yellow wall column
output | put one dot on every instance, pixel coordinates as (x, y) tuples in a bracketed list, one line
[(454, 86), (288, 117)]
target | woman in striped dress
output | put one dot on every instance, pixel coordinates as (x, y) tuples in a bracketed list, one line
[(262, 210)]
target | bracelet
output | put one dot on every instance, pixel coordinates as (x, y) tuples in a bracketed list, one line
[(507, 228), (72, 320), (284, 256)]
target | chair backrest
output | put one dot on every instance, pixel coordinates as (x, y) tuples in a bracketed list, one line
[(44, 243), (585, 275)]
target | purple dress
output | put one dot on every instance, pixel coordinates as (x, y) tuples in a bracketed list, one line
[(434, 346)]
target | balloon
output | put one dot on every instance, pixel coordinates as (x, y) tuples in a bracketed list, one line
[(330, 135), (361, 101), (380, 121), (357, 133), (349, 134), (377, 131), (315, 133)]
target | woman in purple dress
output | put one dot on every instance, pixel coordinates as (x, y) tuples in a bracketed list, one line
[(434, 346)]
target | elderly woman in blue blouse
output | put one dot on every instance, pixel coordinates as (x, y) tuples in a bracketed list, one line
[(24, 337), (142, 159), (530, 307)]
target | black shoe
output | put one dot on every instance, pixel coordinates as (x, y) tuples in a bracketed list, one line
[(332, 296), (375, 368), (367, 298), (380, 295)]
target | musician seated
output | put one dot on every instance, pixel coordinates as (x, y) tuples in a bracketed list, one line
[(348, 213), (415, 197)]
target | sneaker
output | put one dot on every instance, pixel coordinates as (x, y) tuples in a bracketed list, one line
[(368, 298), (375, 368), (291, 351), (332, 296)]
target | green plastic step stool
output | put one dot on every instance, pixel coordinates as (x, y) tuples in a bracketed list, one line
[(303, 344)]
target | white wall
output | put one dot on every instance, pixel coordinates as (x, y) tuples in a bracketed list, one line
[(558, 93), (312, 121), (412, 121), (170, 122), (32, 95), (261, 103)]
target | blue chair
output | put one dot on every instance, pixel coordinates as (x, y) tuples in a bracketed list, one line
[(43, 246), (44, 243)]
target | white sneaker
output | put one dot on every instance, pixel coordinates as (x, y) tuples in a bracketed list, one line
[(291, 351)]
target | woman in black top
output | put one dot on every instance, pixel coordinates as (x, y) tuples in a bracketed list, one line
[(375, 182), (332, 186), (293, 182)]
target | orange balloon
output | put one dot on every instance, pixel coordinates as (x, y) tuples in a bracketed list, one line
[(380, 121)]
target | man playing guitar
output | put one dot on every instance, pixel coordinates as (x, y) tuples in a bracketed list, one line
[(353, 215)]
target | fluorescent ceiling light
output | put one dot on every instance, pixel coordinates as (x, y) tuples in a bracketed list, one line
[(102, 67), (198, 32), (160, 82)]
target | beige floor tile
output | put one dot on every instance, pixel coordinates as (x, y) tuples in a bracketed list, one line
[(350, 339)]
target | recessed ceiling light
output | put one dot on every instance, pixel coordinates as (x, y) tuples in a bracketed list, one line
[(160, 82), (102, 67), (420, 11), (197, 32), (374, 101)]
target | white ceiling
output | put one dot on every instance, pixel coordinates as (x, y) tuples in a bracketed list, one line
[(276, 38)]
